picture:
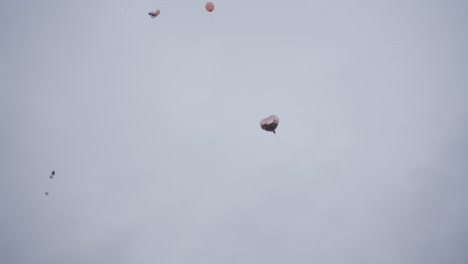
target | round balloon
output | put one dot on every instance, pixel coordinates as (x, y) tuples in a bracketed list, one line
[(270, 123), (209, 7)]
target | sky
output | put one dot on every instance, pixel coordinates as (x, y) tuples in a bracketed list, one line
[(152, 127)]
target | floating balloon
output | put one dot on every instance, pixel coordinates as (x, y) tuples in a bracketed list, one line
[(270, 123), (154, 14), (209, 7), (51, 176)]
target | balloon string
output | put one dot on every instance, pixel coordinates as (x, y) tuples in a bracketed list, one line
[(128, 6), (48, 189), (277, 137)]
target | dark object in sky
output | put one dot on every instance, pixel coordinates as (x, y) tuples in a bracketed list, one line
[(154, 14), (270, 123), (51, 176)]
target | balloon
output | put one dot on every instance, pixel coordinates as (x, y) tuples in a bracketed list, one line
[(51, 176), (209, 7), (154, 14), (270, 123)]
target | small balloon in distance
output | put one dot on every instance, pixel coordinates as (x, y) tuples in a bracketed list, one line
[(154, 14), (209, 7), (270, 123)]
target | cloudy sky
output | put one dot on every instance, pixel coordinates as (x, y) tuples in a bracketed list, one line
[(152, 127)]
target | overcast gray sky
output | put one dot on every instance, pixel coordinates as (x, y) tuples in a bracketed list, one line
[(152, 126)]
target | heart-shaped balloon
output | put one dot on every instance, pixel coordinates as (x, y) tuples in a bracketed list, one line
[(270, 123)]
